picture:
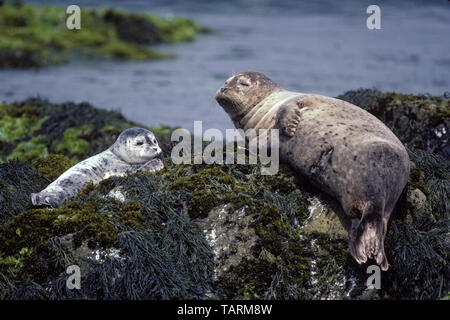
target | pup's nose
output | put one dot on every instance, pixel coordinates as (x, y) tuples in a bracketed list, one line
[(223, 89)]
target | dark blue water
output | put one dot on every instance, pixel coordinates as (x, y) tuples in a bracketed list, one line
[(312, 46)]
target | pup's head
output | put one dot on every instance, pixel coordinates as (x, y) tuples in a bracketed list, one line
[(243, 91), (136, 145)]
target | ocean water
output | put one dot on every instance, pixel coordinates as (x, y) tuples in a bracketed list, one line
[(319, 47)]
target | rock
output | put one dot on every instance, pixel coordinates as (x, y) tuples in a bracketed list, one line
[(230, 236), (421, 209), (118, 194), (326, 216), (17, 181), (211, 231), (417, 198), (108, 34), (115, 244)]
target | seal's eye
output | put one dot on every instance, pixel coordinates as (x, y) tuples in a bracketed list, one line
[(244, 83), (139, 143), (154, 141)]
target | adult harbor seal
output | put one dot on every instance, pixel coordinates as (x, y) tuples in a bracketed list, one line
[(135, 150), (341, 148)]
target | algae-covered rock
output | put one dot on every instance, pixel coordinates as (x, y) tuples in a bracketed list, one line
[(138, 249), (293, 245), (326, 216), (17, 181), (33, 37), (77, 131), (206, 231), (53, 166)]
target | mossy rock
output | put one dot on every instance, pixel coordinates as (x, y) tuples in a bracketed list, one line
[(77, 131), (72, 142), (133, 27), (117, 244), (29, 150), (34, 37), (17, 181), (419, 121), (203, 231), (52, 166), (270, 247)]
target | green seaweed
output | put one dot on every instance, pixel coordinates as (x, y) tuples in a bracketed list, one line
[(71, 143), (17, 181), (154, 238), (150, 235), (14, 128), (33, 37), (76, 130), (122, 51), (52, 166), (29, 150)]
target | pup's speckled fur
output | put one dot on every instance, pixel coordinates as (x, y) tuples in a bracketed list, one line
[(135, 150), (341, 148)]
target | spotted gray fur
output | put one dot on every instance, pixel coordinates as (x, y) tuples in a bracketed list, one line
[(135, 150), (341, 148)]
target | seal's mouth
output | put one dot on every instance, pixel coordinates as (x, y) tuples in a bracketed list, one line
[(224, 102), (227, 104), (159, 155)]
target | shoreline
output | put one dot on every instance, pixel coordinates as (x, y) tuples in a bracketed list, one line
[(34, 37)]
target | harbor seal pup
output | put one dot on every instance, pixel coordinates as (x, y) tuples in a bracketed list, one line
[(339, 147), (135, 150)]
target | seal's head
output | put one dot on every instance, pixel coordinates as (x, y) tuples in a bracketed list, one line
[(243, 91), (136, 145)]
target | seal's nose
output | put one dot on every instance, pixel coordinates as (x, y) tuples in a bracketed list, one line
[(223, 89)]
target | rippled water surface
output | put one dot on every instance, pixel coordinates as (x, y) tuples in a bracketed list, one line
[(308, 46)]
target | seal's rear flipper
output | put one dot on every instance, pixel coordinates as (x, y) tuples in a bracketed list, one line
[(43, 198), (366, 238), (35, 199)]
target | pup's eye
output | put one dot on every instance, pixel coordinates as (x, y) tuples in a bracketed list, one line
[(154, 141), (246, 84), (140, 143)]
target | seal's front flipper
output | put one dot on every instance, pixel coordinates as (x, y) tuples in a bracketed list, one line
[(289, 116), (288, 119), (153, 165)]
